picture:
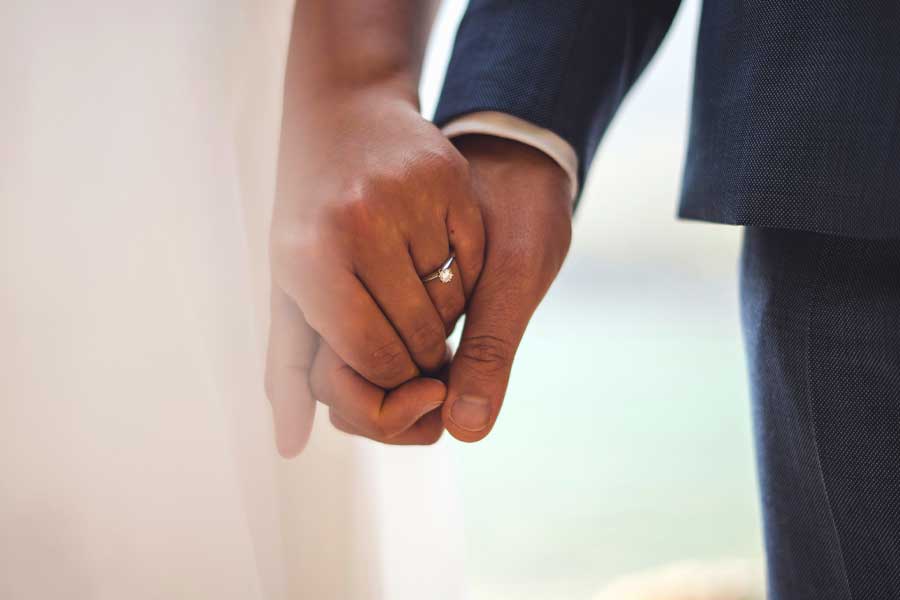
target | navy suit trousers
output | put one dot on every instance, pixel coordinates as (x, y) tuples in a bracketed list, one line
[(821, 318)]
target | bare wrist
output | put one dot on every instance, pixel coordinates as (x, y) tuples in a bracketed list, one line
[(309, 105), (515, 159), (320, 92)]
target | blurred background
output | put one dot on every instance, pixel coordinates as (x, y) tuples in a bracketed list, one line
[(625, 441)]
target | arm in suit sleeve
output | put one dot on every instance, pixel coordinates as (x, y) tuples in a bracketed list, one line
[(562, 65)]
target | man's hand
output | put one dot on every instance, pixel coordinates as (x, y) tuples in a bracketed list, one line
[(525, 201)]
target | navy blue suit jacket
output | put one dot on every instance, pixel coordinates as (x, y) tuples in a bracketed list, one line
[(796, 107)]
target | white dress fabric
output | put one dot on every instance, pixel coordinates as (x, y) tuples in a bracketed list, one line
[(136, 460)]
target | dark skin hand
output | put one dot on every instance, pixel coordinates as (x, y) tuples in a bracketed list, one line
[(524, 201), (524, 198)]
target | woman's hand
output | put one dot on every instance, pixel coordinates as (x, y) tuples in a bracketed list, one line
[(370, 198)]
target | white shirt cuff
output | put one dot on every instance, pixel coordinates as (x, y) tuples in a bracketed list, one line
[(513, 128)]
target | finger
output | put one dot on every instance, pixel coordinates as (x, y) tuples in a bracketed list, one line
[(499, 310), (372, 412), (292, 345), (343, 312), (527, 224), (429, 246), (389, 275), (424, 432), (465, 230), (447, 295), (457, 228)]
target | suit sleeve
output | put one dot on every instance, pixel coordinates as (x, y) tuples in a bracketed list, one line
[(564, 65)]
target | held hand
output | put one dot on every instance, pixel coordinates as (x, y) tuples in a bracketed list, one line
[(370, 197), (525, 200), (302, 369), (408, 414)]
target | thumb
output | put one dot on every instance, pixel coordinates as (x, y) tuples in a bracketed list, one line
[(525, 198), (499, 310), (292, 346)]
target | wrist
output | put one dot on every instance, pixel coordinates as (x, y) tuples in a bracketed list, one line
[(343, 47), (518, 162), (526, 201), (321, 92), (311, 103)]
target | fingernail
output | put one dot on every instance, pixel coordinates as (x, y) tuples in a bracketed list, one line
[(471, 413)]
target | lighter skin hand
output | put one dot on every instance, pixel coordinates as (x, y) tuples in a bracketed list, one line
[(370, 196), (354, 229)]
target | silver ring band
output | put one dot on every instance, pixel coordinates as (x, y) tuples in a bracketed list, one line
[(444, 273)]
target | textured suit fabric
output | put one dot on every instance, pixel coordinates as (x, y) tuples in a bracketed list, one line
[(564, 65), (796, 108), (821, 317)]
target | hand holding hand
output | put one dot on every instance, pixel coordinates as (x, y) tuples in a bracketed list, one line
[(525, 202)]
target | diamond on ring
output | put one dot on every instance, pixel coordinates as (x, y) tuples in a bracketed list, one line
[(444, 273)]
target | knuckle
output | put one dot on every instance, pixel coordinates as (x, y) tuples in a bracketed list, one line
[(363, 215), (373, 424), (388, 365), (294, 249), (447, 162), (353, 213), (426, 339), (486, 354), (377, 429), (361, 426)]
